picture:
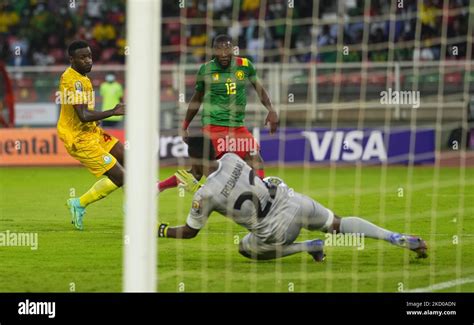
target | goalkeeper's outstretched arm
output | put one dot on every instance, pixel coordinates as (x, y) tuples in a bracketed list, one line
[(182, 232)]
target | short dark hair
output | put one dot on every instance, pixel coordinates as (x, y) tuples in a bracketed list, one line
[(222, 38), (76, 45), (201, 147)]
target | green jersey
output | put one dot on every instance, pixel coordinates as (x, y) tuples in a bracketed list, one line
[(224, 91)]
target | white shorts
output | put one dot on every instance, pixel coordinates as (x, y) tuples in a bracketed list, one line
[(311, 215)]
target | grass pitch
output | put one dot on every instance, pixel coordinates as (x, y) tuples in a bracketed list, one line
[(435, 204)]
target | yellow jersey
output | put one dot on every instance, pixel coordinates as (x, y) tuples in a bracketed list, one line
[(75, 89)]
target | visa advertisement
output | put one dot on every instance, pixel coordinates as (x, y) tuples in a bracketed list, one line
[(372, 146)]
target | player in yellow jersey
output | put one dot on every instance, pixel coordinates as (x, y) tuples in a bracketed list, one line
[(84, 140)]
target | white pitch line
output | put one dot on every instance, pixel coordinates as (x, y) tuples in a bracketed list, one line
[(450, 195), (443, 285)]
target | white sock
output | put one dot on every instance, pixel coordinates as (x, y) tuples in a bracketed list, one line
[(356, 225)]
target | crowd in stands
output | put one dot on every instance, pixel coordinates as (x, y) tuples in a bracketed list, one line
[(36, 32)]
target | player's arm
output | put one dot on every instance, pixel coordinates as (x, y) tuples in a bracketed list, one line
[(272, 116), (196, 100), (180, 232), (86, 115), (197, 217), (193, 108)]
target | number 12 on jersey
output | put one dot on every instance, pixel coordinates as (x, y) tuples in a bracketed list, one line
[(231, 86)]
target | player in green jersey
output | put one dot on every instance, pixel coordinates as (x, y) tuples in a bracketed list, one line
[(221, 88)]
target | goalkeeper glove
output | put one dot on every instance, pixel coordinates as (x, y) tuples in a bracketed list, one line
[(163, 230), (187, 181)]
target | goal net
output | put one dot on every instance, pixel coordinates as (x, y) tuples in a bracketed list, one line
[(375, 106)]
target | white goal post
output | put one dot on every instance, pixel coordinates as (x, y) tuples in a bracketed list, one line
[(141, 130)]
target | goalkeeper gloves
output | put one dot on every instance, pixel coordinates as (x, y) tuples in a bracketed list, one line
[(187, 181), (163, 230)]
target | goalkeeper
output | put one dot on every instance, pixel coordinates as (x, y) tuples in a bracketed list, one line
[(272, 213), (221, 85)]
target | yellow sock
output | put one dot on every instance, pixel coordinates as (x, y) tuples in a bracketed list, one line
[(99, 190)]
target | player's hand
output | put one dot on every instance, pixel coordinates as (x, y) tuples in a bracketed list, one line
[(272, 118), (185, 135), (187, 181), (119, 109)]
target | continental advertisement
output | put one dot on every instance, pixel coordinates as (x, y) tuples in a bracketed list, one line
[(36, 147)]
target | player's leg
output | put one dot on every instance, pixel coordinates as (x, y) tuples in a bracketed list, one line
[(99, 162), (248, 149), (104, 186), (252, 247), (118, 151), (256, 162), (113, 170), (323, 219), (112, 145), (356, 225)]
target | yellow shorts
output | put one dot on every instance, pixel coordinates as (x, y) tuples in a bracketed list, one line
[(94, 152)]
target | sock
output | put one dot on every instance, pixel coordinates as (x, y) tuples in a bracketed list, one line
[(99, 190), (170, 182), (260, 173), (300, 247), (287, 250), (357, 225)]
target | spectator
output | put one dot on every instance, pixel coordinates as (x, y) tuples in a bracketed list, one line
[(255, 46), (428, 14), (42, 57), (8, 18), (30, 24), (198, 43), (112, 93)]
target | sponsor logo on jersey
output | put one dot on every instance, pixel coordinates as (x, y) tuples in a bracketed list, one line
[(78, 86), (107, 159), (240, 75), (196, 206), (229, 80)]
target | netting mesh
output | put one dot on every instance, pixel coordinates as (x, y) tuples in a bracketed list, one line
[(337, 66)]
